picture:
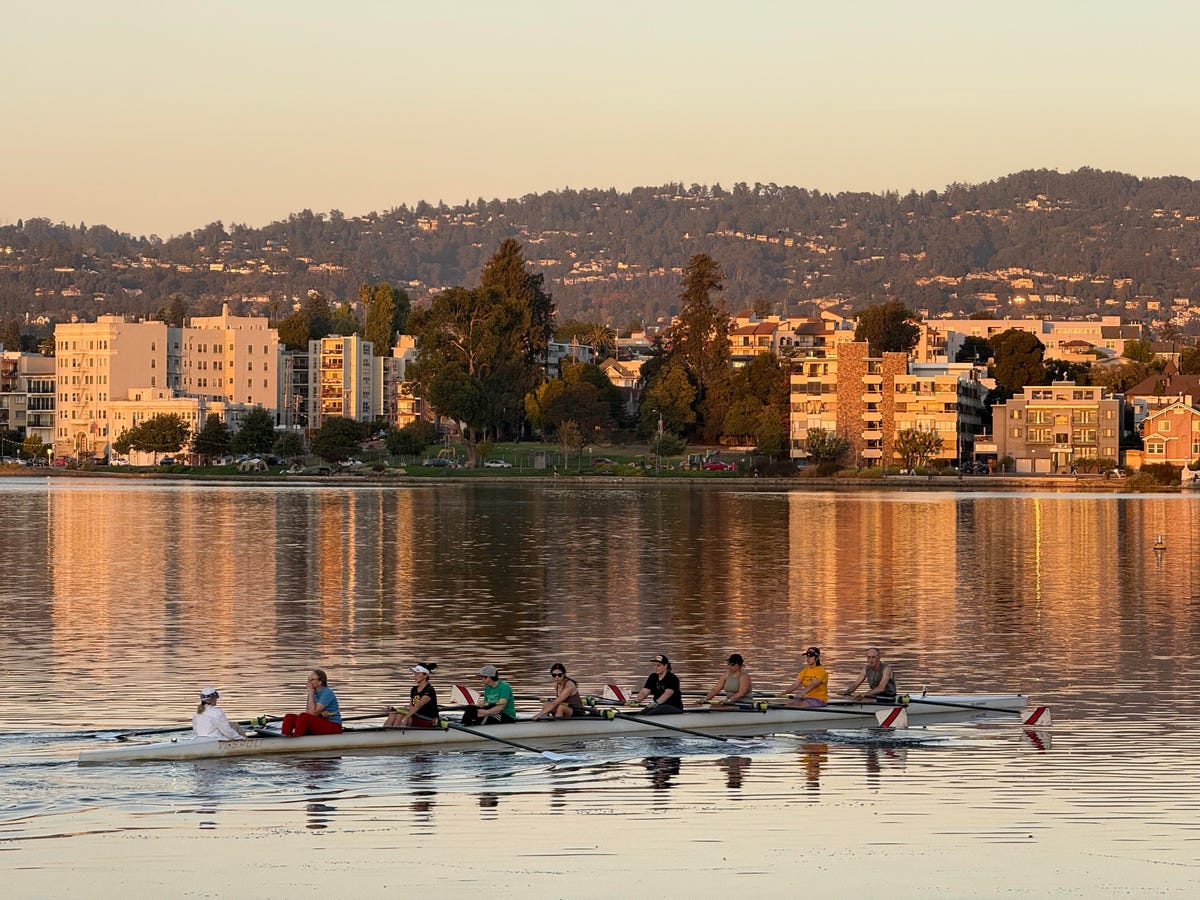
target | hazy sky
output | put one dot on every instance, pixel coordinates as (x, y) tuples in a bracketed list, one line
[(163, 117)]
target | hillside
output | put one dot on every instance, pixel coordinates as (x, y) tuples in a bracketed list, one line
[(1087, 242)]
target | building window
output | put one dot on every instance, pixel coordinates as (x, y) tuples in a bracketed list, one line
[(1164, 426), (1156, 448)]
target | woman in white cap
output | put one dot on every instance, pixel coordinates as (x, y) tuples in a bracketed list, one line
[(210, 720), (422, 709)]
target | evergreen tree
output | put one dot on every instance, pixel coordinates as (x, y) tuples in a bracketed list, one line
[(256, 433), (1018, 356), (506, 272), (213, 440), (888, 328)]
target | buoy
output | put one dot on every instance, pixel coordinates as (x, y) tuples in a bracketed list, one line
[(1160, 544)]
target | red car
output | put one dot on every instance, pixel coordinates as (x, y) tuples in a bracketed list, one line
[(716, 465)]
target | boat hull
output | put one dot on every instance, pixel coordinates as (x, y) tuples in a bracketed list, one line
[(737, 722)]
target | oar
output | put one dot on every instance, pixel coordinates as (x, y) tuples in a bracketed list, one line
[(886, 716), (610, 713), (1038, 716), (172, 729), (445, 724)]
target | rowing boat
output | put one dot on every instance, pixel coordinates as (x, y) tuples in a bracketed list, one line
[(775, 719)]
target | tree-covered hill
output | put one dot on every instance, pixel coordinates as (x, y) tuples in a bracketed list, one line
[(1062, 243)]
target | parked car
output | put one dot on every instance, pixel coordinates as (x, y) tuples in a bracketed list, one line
[(602, 461), (167, 461), (717, 465), (118, 461), (439, 462), (61, 462), (497, 464)]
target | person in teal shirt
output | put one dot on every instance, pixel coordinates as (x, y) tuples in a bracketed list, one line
[(497, 706)]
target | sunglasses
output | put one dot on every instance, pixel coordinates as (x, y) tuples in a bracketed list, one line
[(558, 674)]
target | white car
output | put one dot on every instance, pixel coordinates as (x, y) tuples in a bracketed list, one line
[(118, 461), (497, 464)]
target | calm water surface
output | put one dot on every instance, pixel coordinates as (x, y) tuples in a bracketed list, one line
[(119, 599)]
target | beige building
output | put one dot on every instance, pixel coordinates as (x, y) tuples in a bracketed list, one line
[(231, 358), (227, 362), (1062, 338), (869, 400), (1050, 427), (342, 379), (26, 396), (97, 363)]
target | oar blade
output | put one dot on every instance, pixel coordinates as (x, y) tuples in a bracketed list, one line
[(892, 717), (614, 694), (462, 695), (1037, 717)]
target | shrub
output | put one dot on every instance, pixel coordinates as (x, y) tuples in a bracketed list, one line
[(1160, 473), (826, 469)]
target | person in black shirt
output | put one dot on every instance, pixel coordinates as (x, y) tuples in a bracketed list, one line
[(663, 686), (422, 709)]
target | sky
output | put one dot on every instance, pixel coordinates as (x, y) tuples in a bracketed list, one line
[(158, 118)]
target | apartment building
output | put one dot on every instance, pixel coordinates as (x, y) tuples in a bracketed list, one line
[(27, 396), (234, 359), (1062, 338), (97, 363), (869, 400), (1048, 428), (229, 363), (342, 377)]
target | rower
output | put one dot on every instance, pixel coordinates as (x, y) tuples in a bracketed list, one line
[(812, 682), (211, 721), (663, 685), (422, 711), (880, 679), (566, 700), (498, 705), (735, 684)]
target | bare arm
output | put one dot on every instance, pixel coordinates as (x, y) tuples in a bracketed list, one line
[(852, 688), (885, 678)]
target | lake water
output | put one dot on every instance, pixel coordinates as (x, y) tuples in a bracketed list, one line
[(120, 599)]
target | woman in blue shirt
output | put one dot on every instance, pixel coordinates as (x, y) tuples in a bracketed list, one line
[(321, 714)]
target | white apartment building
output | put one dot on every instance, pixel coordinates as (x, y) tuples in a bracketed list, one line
[(227, 363), (1062, 338), (342, 379), (231, 358)]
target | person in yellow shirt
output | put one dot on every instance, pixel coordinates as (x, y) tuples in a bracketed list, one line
[(811, 687)]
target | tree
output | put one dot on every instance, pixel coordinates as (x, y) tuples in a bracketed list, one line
[(1064, 370), (344, 321), (888, 328), (505, 272), (1139, 351), (213, 440), (10, 334), (163, 433), (387, 315), (337, 439), (825, 447), (916, 447), (473, 363), (32, 447), (974, 349), (289, 444), (538, 402), (669, 400), (412, 439), (1189, 361), (1018, 356), (570, 437), (256, 434)]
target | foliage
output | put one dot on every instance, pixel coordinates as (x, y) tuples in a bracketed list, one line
[(667, 444), (888, 328), (1063, 370), (256, 434), (10, 333), (289, 444), (825, 447), (1189, 361), (669, 399), (212, 440), (1139, 351), (32, 447), (337, 439), (1006, 463), (412, 439), (1161, 473), (917, 447), (1018, 356), (311, 322), (344, 321), (570, 437), (387, 315), (698, 341), (758, 412), (1119, 378), (506, 273), (974, 348), (163, 433)]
